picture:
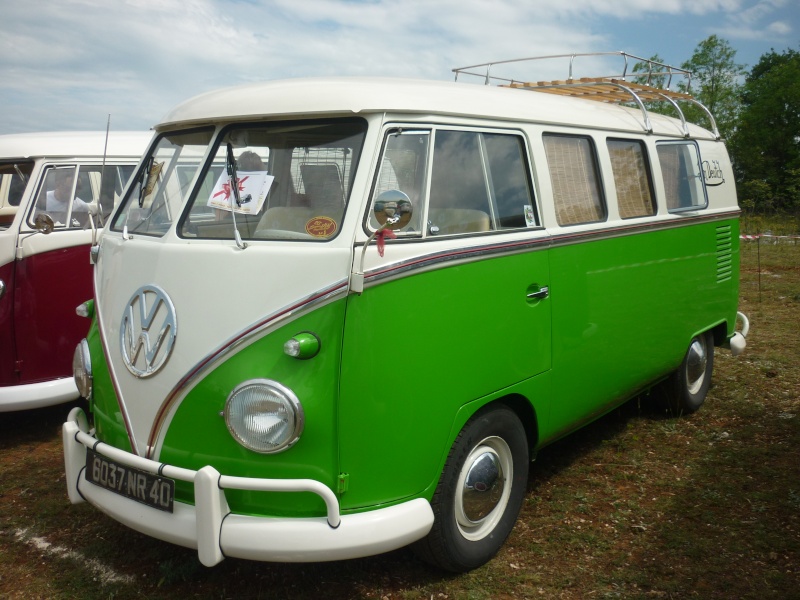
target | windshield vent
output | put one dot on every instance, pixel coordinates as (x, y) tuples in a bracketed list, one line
[(724, 252)]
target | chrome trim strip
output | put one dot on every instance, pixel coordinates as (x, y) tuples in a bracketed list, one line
[(438, 259), (238, 341)]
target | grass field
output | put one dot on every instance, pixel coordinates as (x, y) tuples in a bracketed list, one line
[(639, 504)]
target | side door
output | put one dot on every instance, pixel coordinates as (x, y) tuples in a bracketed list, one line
[(53, 272), (454, 310)]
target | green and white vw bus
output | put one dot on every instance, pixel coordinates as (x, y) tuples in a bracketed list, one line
[(334, 317)]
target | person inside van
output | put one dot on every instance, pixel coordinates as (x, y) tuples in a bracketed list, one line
[(58, 198)]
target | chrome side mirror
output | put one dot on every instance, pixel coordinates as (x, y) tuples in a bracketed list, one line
[(393, 209), (43, 223)]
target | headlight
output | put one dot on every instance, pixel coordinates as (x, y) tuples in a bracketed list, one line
[(82, 369), (264, 416)]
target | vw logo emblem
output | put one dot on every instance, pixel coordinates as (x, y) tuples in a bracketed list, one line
[(147, 332)]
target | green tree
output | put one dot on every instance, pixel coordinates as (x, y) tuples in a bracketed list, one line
[(714, 83), (766, 145), (654, 72), (650, 72)]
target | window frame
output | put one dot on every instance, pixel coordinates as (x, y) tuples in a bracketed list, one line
[(598, 171), (648, 173), (432, 129), (699, 175), (89, 173)]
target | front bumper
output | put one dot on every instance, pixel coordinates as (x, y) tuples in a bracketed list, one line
[(37, 395), (216, 532)]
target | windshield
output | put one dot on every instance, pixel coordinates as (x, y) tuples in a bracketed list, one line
[(293, 182), (161, 186), (13, 179)]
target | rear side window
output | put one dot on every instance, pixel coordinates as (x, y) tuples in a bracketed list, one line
[(631, 178), (577, 194), (683, 179)]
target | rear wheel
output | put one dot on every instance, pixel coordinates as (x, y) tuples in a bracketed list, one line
[(688, 386), (480, 492)]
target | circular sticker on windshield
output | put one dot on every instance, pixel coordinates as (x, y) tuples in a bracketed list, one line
[(321, 227)]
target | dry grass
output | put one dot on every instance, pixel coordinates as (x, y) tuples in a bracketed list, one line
[(637, 505)]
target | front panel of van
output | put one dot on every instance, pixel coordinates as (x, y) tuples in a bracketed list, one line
[(233, 303)]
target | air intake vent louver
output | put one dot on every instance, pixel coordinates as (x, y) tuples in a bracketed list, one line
[(724, 249)]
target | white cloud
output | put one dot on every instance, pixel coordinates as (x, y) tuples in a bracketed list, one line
[(758, 22), (779, 28), (68, 64)]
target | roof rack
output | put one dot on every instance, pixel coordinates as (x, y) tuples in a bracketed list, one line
[(607, 88)]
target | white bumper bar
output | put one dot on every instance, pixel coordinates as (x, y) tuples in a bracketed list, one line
[(37, 395), (215, 532)]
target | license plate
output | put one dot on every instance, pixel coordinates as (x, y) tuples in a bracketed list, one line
[(154, 491)]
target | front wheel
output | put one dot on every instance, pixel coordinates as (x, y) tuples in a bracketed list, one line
[(687, 387), (480, 492)]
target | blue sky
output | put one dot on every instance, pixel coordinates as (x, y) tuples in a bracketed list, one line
[(67, 65)]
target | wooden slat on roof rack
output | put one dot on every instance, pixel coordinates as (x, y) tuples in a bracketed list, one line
[(601, 89)]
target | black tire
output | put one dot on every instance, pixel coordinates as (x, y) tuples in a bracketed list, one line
[(480, 492), (688, 386)]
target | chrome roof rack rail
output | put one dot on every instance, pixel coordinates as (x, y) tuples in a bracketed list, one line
[(606, 88)]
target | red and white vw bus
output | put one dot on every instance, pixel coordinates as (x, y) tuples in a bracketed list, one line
[(55, 189)]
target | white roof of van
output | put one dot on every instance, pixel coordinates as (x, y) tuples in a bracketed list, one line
[(69, 144), (352, 96)]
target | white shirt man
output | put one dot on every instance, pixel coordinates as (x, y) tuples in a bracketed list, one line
[(58, 199)]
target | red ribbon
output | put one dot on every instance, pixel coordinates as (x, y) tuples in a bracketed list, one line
[(381, 237)]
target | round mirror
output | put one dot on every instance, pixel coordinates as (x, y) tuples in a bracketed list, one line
[(44, 223), (393, 207)]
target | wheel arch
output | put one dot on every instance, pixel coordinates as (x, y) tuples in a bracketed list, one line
[(527, 415), (720, 333), (516, 402)]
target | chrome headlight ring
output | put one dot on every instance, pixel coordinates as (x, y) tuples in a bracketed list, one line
[(82, 369), (264, 416)]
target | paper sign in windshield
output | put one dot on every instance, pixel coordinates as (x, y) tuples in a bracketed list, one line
[(253, 190)]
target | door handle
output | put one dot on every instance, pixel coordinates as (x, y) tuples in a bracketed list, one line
[(539, 294)]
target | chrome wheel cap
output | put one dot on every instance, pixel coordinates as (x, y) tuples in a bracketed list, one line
[(696, 362), (482, 493)]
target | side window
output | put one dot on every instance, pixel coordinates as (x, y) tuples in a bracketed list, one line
[(509, 181), (404, 167), (576, 184), (683, 179), (68, 192), (112, 183), (459, 197), (631, 178), (65, 195), (13, 181), (478, 181)]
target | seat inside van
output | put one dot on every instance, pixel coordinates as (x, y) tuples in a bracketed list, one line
[(459, 220)]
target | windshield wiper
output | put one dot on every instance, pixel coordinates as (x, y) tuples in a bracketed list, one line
[(230, 164), (21, 174)]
